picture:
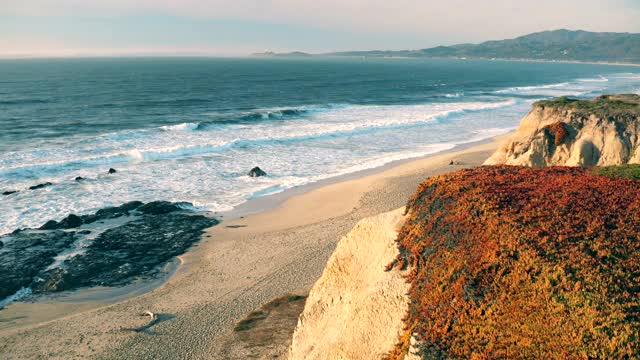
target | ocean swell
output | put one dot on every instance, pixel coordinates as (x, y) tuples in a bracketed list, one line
[(348, 121)]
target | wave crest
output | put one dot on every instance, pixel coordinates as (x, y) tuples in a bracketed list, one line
[(518, 89)]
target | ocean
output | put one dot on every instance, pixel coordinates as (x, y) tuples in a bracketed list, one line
[(189, 129)]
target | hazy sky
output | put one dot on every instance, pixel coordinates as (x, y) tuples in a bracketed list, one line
[(238, 27)]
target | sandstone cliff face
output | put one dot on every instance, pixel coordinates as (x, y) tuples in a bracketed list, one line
[(603, 131), (355, 309)]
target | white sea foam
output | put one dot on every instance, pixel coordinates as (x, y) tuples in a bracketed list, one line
[(20, 294), (519, 89), (135, 154), (626, 76), (381, 160), (596, 79), (158, 146), (579, 87), (207, 165), (180, 127)]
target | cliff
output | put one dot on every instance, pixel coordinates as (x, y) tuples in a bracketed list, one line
[(522, 263), (568, 132), (499, 261), (355, 309)]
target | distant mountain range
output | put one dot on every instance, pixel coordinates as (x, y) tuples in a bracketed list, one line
[(557, 45)]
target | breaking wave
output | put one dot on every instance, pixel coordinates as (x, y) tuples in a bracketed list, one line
[(170, 144)]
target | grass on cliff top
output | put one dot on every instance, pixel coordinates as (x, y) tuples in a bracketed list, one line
[(602, 105), (523, 263), (618, 172)]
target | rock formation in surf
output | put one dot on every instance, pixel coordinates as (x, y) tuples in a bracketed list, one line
[(256, 172), (569, 132)]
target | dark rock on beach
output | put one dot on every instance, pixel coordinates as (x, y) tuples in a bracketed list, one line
[(25, 254), (159, 207), (112, 212), (40, 186), (49, 225), (112, 171), (70, 222), (256, 172), (132, 250), (150, 236)]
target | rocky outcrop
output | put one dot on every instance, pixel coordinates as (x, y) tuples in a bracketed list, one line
[(567, 132), (61, 256), (256, 172), (24, 254), (40, 186), (119, 255), (73, 221), (355, 309)]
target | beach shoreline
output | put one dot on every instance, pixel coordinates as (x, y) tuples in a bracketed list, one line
[(272, 201), (269, 247)]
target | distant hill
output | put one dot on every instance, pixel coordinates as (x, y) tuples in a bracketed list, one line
[(552, 45), (558, 45), (288, 54)]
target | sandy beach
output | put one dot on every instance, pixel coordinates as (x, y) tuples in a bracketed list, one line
[(273, 247)]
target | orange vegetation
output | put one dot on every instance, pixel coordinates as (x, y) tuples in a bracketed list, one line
[(559, 131), (523, 263)]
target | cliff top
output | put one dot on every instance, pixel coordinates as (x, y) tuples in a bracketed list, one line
[(601, 105), (521, 262)]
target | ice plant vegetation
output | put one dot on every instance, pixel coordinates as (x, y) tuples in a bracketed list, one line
[(559, 131), (520, 263)]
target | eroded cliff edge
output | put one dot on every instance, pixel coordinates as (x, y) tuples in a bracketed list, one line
[(490, 262), (355, 309), (569, 132), (501, 261)]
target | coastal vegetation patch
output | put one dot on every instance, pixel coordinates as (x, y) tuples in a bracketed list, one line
[(559, 132), (266, 332), (631, 171), (261, 314), (519, 263), (602, 106)]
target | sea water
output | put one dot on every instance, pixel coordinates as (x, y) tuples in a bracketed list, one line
[(189, 129)]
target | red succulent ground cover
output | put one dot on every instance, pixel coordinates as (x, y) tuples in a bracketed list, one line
[(523, 263), (559, 131)]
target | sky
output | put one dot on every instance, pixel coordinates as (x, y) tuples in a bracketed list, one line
[(241, 27)]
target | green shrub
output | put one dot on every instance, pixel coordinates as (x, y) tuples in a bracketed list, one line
[(618, 172)]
